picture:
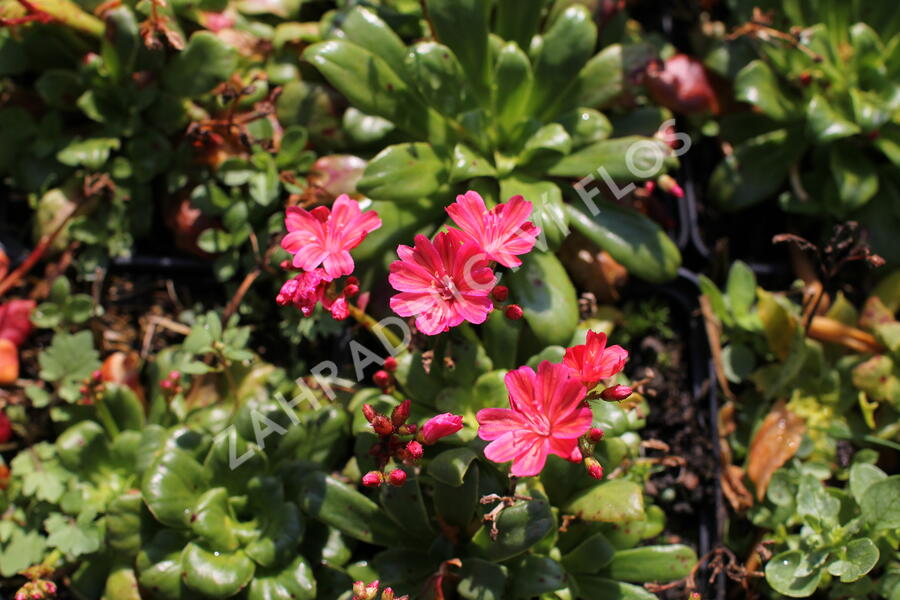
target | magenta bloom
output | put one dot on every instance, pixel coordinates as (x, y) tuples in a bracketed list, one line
[(502, 232), (442, 283), (593, 361), (440, 426), (325, 237), (306, 290), (546, 416)]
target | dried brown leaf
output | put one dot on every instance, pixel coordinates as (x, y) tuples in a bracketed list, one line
[(776, 441)]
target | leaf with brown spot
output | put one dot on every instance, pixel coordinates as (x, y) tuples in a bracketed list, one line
[(776, 441)]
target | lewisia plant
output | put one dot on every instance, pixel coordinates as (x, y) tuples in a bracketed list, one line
[(442, 283)]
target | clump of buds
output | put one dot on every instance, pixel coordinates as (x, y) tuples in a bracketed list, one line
[(500, 294), (586, 445), (171, 385), (362, 591), (39, 587), (92, 388), (395, 443)]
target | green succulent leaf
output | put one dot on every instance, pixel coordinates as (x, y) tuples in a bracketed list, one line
[(294, 582), (652, 563), (511, 89), (599, 588), (462, 25), (123, 524), (630, 238), (757, 84), (205, 62), (481, 580), (407, 172), (566, 47), (543, 289), (372, 86), (535, 575), (216, 574), (450, 466), (365, 29), (825, 124), (437, 75), (172, 486), (613, 501), (91, 153), (342, 507), (589, 556), (623, 159), (520, 527)]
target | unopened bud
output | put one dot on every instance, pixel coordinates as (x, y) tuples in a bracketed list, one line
[(387, 594), (174, 375), (397, 477), (166, 384), (593, 467), (668, 184), (500, 293), (381, 378), (616, 393), (513, 312), (359, 590), (414, 450), (382, 425), (408, 429), (351, 288), (390, 365), (368, 412), (372, 590), (97, 375), (595, 434), (373, 479), (400, 413)]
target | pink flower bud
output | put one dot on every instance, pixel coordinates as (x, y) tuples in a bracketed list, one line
[(382, 379), (390, 365), (513, 312), (400, 413), (351, 288), (372, 590), (500, 293), (440, 426), (174, 375), (414, 450), (397, 477), (359, 590), (166, 384), (387, 594), (595, 434), (97, 375), (373, 479), (368, 412), (382, 425), (616, 393), (594, 468), (576, 455), (408, 429)]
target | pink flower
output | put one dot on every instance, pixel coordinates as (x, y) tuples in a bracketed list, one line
[(546, 416), (307, 289), (303, 291), (443, 283), (593, 361), (325, 237), (440, 426), (502, 232)]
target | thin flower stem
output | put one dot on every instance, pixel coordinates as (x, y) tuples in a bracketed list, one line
[(374, 326), (36, 254)]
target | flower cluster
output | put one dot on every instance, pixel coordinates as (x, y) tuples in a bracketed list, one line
[(363, 591), (320, 241), (448, 280), (402, 441), (548, 413)]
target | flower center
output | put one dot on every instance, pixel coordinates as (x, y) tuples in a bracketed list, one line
[(446, 287)]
